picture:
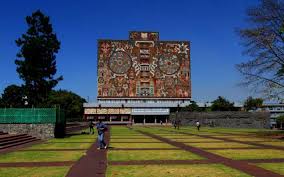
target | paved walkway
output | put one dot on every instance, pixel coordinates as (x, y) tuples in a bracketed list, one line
[(93, 164)]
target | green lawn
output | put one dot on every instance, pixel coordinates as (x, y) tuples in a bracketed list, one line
[(124, 155), (274, 143), (141, 145), (129, 136), (219, 145), (200, 170), (41, 156), (197, 140), (34, 171), (134, 140), (62, 146), (250, 153), (276, 167)]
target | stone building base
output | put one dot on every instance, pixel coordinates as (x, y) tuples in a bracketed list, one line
[(42, 131), (230, 119)]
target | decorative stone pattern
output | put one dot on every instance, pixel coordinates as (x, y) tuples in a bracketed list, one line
[(107, 111), (42, 131), (143, 66), (229, 119)]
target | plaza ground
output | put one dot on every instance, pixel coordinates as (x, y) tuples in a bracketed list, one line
[(152, 151)]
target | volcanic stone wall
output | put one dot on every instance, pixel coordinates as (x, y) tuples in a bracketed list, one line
[(42, 131), (230, 119)]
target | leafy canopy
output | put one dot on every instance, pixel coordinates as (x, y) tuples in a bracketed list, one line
[(253, 103), (12, 97), (36, 60), (193, 107), (264, 44), (221, 104), (69, 101)]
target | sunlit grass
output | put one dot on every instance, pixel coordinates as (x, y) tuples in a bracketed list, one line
[(141, 145), (122, 155), (34, 171), (275, 167), (200, 170), (250, 153), (134, 140), (41, 156), (219, 145), (62, 146)]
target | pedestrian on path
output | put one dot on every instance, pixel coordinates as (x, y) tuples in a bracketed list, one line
[(198, 125), (178, 123), (102, 128), (175, 124), (91, 126)]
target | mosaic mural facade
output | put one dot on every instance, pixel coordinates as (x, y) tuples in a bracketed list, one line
[(144, 66)]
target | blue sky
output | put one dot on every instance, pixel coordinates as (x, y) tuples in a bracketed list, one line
[(209, 25)]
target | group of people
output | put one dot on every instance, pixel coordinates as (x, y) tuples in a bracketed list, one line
[(101, 128), (176, 124)]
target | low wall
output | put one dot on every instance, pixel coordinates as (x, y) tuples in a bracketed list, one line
[(231, 119), (42, 131)]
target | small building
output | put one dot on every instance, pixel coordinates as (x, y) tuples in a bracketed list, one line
[(141, 80), (275, 109)]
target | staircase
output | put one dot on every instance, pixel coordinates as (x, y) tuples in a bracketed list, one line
[(9, 141)]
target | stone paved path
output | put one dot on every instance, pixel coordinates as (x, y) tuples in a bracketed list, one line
[(93, 164)]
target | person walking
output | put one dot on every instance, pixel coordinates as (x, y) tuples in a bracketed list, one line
[(198, 125), (175, 124), (91, 126), (101, 127), (178, 123)]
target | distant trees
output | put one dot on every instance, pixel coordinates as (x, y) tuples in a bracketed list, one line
[(222, 104), (67, 100), (253, 103), (36, 60), (193, 107), (264, 43), (1, 102), (71, 103), (280, 121), (12, 97)]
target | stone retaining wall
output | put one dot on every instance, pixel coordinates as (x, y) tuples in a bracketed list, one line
[(231, 119), (42, 131)]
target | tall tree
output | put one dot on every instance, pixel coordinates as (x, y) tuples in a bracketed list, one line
[(222, 104), (264, 43), (253, 103), (1, 103), (13, 97), (36, 60)]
